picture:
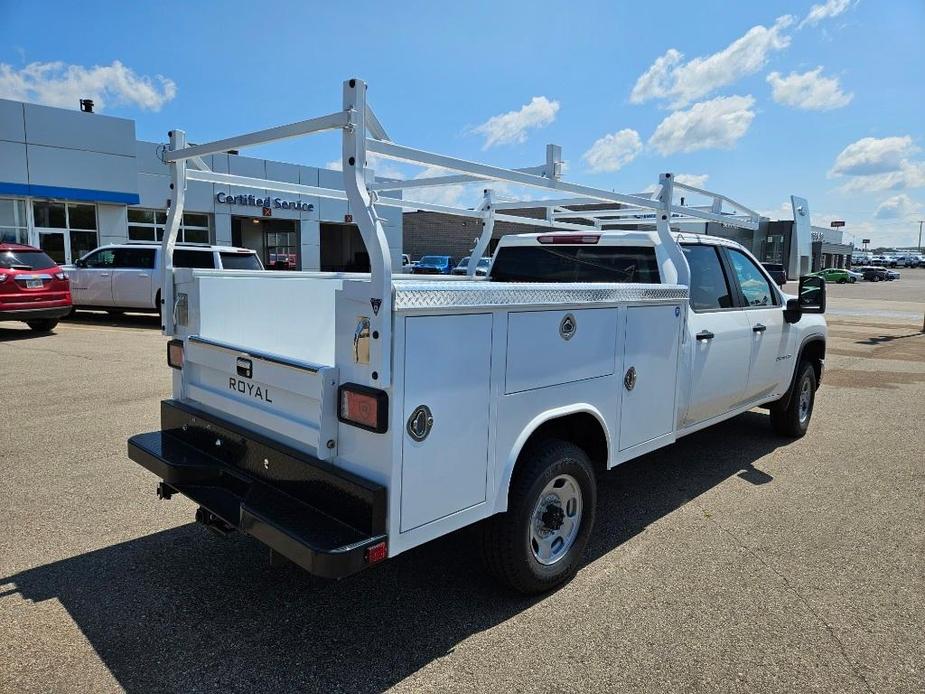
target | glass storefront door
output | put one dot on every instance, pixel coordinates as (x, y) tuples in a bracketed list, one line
[(54, 245)]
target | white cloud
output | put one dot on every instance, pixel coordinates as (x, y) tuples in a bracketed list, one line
[(672, 79), (910, 174), (809, 90), (696, 180), (59, 84), (613, 152), (872, 155), (897, 207), (511, 127), (826, 10), (718, 123)]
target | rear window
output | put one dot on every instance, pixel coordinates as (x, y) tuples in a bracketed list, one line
[(576, 264), (194, 259), (240, 261), (25, 260)]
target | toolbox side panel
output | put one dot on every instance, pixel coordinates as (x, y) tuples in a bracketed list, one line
[(546, 348), (447, 369)]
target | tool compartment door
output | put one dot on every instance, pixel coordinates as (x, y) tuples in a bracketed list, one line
[(651, 352), (448, 371)]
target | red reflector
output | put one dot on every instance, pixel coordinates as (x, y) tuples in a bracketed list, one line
[(571, 239), (377, 552), (175, 354)]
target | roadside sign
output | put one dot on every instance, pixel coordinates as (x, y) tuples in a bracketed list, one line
[(837, 224), (865, 240)]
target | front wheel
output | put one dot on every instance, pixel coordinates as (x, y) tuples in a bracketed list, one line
[(793, 420), (538, 542), (842, 280), (42, 326)]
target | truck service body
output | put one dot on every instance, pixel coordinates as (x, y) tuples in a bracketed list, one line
[(397, 409)]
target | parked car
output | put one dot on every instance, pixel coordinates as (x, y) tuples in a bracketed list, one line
[(892, 274), (434, 265), (855, 276), (872, 273), (480, 270), (835, 274), (406, 265), (33, 289), (777, 272), (913, 261), (127, 277), (878, 260)]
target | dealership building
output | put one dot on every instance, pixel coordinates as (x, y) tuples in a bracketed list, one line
[(71, 181)]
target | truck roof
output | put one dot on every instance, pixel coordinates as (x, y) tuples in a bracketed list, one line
[(184, 246), (611, 237)]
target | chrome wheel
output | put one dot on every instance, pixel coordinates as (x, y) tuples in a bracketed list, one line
[(806, 400), (555, 520)]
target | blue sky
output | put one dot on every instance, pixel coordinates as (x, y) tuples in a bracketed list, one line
[(822, 99)]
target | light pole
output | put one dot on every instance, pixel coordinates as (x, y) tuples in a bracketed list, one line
[(921, 221)]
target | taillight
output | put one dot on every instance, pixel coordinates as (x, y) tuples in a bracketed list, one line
[(364, 407), (61, 276), (570, 239), (175, 354), (3, 277)]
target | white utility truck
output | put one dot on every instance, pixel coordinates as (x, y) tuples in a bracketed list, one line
[(384, 411)]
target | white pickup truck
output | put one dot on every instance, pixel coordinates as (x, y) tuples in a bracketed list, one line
[(385, 412), (127, 276)]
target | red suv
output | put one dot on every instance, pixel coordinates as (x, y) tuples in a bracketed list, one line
[(33, 289)]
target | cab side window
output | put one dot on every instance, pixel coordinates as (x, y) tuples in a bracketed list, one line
[(755, 286), (709, 290), (193, 259), (100, 260), (134, 258)]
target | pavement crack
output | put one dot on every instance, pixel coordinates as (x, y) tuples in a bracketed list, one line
[(799, 596)]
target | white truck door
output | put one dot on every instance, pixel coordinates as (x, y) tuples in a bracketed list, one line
[(132, 276), (770, 337), (94, 279), (445, 416), (719, 335)]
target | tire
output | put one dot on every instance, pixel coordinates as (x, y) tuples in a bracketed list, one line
[(793, 420), (533, 547), (46, 325), (842, 281)]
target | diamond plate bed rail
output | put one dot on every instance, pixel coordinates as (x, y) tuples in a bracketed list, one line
[(410, 294)]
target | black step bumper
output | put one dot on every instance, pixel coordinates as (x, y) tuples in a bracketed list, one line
[(326, 520)]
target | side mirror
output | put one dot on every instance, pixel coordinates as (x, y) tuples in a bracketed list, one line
[(812, 294), (80, 263), (811, 299)]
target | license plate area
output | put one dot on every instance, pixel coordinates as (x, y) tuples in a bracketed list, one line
[(34, 284)]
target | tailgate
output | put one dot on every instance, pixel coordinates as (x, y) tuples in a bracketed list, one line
[(285, 397)]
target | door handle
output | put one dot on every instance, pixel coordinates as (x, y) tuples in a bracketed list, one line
[(759, 328), (705, 335), (104, 274)]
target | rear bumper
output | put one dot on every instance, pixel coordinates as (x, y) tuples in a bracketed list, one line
[(27, 314), (318, 516)]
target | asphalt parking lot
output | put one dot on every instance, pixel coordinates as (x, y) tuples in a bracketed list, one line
[(732, 561)]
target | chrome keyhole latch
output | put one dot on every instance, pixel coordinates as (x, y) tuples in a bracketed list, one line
[(420, 423), (567, 327), (629, 380)]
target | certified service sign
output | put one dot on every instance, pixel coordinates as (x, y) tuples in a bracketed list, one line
[(268, 202)]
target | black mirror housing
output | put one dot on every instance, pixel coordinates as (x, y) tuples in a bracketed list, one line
[(812, 294)]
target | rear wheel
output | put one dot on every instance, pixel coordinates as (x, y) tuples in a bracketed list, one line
[(45, 325), (793, 419), (538, 542)]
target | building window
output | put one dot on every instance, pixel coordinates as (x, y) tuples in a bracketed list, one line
[(14, 228), (77, 220), (148, 225)]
